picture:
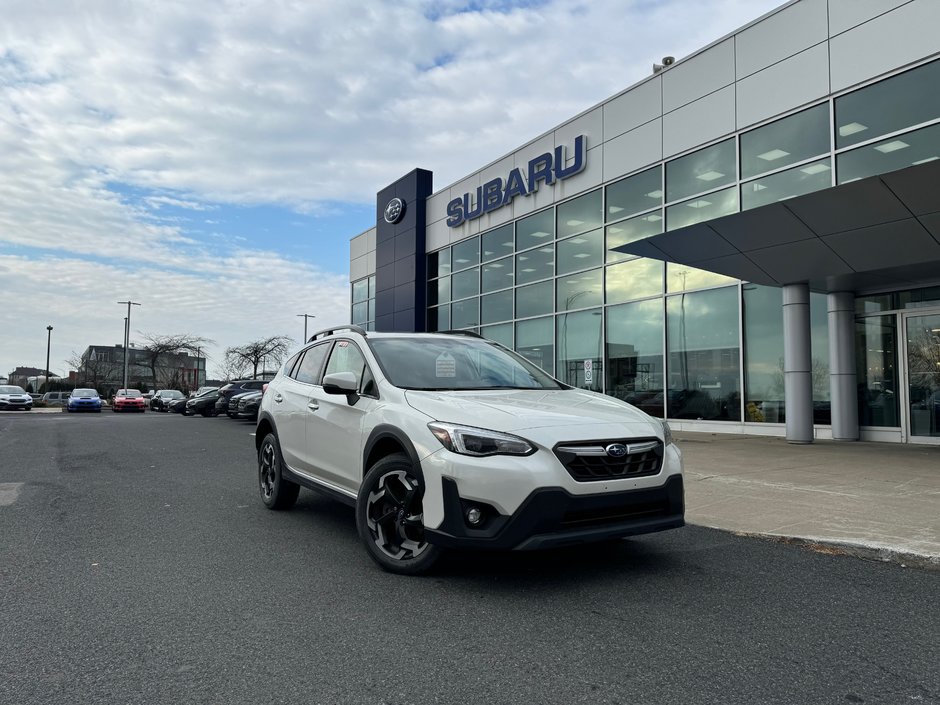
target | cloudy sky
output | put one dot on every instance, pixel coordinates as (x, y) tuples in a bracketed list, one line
[(212, 159)]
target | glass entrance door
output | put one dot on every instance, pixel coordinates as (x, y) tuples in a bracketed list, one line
[(922, 337)]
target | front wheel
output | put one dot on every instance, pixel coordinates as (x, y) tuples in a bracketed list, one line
[(390, 517), (276, 492)]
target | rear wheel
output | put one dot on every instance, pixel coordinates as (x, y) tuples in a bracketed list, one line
[(276, 492), (390, 517)]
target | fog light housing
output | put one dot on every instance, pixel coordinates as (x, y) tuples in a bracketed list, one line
[(474, 516)]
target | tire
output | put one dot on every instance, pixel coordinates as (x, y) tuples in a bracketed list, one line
[(276, 492), (389, 517)]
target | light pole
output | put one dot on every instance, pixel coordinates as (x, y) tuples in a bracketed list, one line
[(48, 348), (305, 317), (127, 334)]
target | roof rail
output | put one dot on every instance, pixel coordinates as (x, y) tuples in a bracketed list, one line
[(469, 333), (330, 331)]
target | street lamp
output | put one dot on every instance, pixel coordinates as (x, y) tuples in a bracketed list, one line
[(127, 334), (48, 348), (305, 317)]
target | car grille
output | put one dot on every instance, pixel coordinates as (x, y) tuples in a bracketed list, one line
[(589, 461), (614, 515)]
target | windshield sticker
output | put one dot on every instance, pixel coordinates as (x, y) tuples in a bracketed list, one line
[(445, 365), (342, 344)]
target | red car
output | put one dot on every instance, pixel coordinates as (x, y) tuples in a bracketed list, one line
[(128, 400)]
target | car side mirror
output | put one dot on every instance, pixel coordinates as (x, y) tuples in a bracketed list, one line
[(340, 383)]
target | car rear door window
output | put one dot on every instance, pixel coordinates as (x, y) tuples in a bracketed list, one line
[(308, 369)]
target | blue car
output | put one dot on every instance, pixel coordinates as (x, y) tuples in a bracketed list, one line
[(84, 400)]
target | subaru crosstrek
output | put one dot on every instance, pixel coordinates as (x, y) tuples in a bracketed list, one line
[(448, 440)]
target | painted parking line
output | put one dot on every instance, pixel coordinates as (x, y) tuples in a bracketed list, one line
[(9, 491)]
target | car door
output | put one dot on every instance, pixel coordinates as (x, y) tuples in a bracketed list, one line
[(290, 400), (335, 428)]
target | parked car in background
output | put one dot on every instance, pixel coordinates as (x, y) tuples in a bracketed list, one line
[(128, 400), (83, 400), (237, 387), (202, 390), (177, 406), (55, 398), (148, 395), (13, 398), (204, 405), (248, 405), (232, 409), (35, 397), (162, 398)]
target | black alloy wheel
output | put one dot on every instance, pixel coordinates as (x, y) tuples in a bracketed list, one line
[(276, 492)]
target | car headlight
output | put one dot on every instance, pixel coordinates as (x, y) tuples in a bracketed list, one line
[(479, 442), (667, 433)]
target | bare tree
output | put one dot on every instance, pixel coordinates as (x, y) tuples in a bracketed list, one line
[(93, 370), (270, 350), (160, 348)]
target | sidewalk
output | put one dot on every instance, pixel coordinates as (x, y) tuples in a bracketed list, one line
[(874, 499)]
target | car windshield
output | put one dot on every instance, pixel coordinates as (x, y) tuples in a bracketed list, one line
[(439, 364), (132, 393), (173, 394), (84, 393), (10, 389)]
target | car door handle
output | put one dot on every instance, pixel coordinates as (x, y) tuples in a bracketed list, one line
[(278, 398), (313, 406)]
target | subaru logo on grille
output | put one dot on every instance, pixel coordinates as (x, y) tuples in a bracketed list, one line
[(394, 210), (616, 450)]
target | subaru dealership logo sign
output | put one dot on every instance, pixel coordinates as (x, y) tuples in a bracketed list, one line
[(546, 168), (394, 210)]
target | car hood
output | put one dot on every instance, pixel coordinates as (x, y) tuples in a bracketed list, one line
[(517, 410), (16, 397)]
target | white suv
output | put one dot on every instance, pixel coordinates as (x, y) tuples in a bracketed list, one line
[(448, 440)]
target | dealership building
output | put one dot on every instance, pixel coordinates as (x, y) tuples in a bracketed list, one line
[(746, 241)]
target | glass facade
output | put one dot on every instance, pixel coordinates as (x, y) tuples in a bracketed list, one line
[(363, 302)]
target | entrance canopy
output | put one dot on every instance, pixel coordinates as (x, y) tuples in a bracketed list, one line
[(878, 233)]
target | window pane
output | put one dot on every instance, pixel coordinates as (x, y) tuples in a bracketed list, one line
[(635, 279), (439, 319), (497, 243), (580, 357), (763, 354), (439, 291), (535, 299), (372, 287), (635, 354), (439, 263), (497, 307), (346, 357), (876, 364), (707, 207), (360, 313), (680, 277), (630, 231), (635, 194), (918, 147), (535, 230), (580, 252), (371, 309), (704, 355), (786, 184), (501, 334), (702, 170), (907, 99), (928, 296), (535, 264), (360, 290), (819, 322), (535, 340), (466, 283), (580, 290), (497, 275), (786, 141), (466, 253), (465, 314), (308, 371), (580, 214)]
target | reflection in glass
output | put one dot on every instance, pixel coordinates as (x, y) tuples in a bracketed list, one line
[(360, 313), (901, 101), (360, 290), (919, 298), (681, 277), (439, 318), (496, 307), (819, 323), (497, 275), (785, 141), (466, 253), (580, 252), (535, 229), (464, 284), (923, 365), (786, 184), (909, 149), (635, 279), (535, 299), (497, 243), (501, 334), (580, 351), (535, 340), (707, 207), (635, 354), (580, 290), (635, 194), (371, 309), (763, 354), (700, 171), (372, 287), (580, 214), (630, 231), (439, 291), (704, 352), (464, 314), (533, 265), (439, 263), (876, 366)]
